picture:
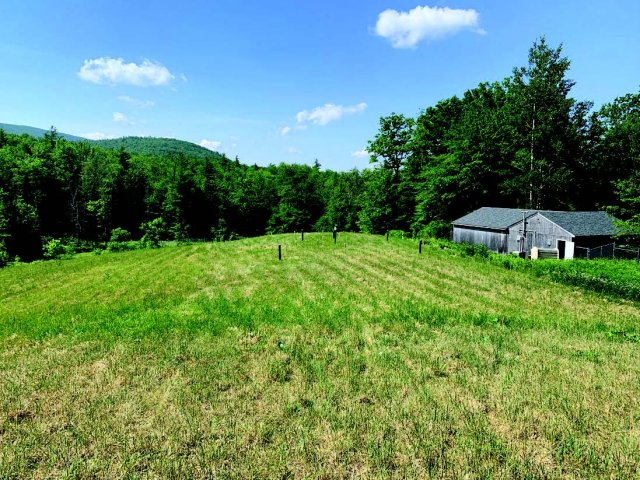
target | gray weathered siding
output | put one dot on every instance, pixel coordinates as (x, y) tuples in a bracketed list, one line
[(541, 233), (495, 240)]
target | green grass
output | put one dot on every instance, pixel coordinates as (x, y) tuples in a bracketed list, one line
[(360, 359), (615, 277)]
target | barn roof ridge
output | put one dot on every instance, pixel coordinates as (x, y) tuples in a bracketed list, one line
[(577, 223)]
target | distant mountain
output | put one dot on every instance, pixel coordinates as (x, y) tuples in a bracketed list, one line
[(35, 132), (156, 146), (133, 145)]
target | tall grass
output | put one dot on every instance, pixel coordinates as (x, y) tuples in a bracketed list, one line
[(361, 358)]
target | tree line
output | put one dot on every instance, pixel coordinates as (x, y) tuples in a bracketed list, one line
[(523, 142)]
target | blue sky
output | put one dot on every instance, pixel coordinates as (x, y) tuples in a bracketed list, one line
[(286, 81)]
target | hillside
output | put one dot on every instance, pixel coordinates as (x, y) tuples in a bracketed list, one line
[(356, 359), (135, 145), (35, 132), (156, 146)]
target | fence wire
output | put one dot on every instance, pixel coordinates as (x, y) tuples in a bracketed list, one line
[(611, 250)]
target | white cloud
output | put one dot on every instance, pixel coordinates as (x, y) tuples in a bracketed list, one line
[(120, 117), (97, 136), (136, 102), (285, 130), (360, 153), (328, 113), (293, 150), (406, 29), (114, 71), (210, 144)]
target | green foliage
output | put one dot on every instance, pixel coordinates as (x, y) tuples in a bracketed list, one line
[(120, 235), (398, 234), (435, 229), (55, 249), (4, 255), (124, 246), (153, 232), (121, 241), (163, 147)]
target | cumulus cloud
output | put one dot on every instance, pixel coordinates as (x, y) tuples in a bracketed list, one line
[(136, 102), (322, 116), (210, 144), (114, 71), (97, 136), (360, 153), (328, 113), (120, 117), (407, 29)]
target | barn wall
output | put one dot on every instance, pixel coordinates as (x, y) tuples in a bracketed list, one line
[(541, 233), (494, 239)]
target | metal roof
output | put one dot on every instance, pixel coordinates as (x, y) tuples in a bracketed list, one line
[(579, 224), (492, 218), (583, 224)]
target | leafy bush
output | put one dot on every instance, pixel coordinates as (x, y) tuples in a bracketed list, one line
[(435, 229), (124, 246), (476, 250), (398, 234), (121, 241), (153, 232), (4, 255), (55, 248), (120, 235)]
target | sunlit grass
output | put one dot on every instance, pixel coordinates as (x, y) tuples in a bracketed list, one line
[(356, 359)]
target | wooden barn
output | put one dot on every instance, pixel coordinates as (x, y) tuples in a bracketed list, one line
[(506, 230)]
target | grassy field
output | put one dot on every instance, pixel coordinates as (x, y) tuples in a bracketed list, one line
[(362, 359)]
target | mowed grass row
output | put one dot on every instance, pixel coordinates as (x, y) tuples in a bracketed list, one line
[(356, 359)]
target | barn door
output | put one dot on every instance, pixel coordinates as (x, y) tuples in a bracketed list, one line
[(562, 246)]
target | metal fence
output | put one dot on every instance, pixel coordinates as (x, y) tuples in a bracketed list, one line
[(611, 250)]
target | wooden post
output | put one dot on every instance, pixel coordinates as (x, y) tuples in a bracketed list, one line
[(335, 234), (420, 247), (302, 235), (387, 235), (279, 252)]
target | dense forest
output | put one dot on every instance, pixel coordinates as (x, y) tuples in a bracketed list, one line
[(523, 142)]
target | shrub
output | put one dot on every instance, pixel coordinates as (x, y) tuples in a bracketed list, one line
[(398, 234), (4, 255), (124, 246), (435, 229), (153, 232), (54, 248), (120, 235)]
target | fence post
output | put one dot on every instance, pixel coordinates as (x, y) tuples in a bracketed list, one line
[(302, 235), (279, 252), (420, 247), (387, 235)]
